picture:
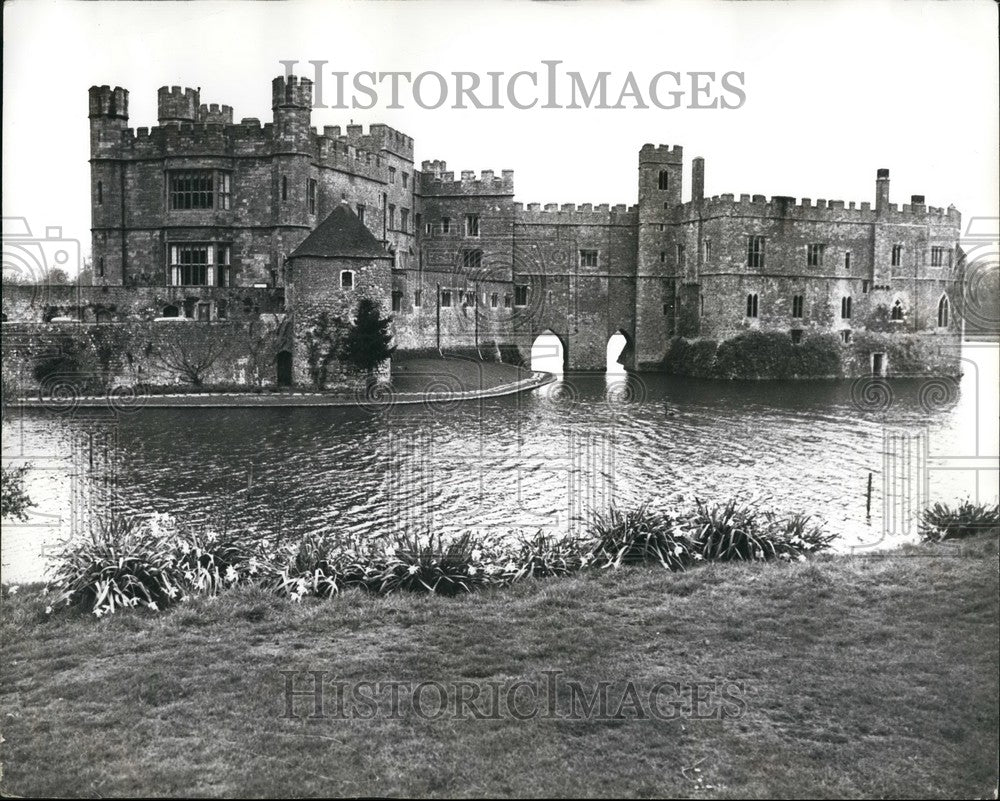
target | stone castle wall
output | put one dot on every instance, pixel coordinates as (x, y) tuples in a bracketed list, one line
[(471, 268)]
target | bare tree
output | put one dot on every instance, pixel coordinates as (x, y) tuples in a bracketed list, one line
[(189, 350)]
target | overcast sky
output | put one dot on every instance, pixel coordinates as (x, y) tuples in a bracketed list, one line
[(834, 90)]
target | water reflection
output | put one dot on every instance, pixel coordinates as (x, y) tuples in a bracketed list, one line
[(540, 460)]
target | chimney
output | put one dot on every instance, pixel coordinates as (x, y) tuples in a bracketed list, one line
[(882, 191), (698, 180)]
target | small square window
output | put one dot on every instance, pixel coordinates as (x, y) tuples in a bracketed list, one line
[(588, 258), (347, 279)]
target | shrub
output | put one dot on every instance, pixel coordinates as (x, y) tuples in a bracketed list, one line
[(321, 566), (733, 531), (14, 499), (723, 532), (637, 537), (122, 564), (129, 562), (695, 358), (431, 566), (542, 556), (941, 522)]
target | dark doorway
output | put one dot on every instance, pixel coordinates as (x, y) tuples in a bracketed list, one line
[(284, 363)]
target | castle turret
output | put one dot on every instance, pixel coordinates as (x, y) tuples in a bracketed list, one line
[(660, 176), (108, 123), (108, 118), (175, 105), (291, 102), (300, 201), (662, 251)]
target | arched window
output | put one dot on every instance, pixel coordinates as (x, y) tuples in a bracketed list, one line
[(897, 310), (943, 312), (845, 308), (347, 279), (171, 311), (752, 305)]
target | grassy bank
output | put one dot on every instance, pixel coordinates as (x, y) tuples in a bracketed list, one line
[(861, 677)]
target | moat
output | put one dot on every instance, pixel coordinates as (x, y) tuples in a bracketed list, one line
[(540, 459)]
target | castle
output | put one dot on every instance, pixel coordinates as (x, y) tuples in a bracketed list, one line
[(198, 209)]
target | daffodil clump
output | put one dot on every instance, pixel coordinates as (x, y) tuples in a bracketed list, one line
[(153, 563)]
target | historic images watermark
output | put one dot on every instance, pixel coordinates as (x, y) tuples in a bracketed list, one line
[(547, 86), (320, 695)]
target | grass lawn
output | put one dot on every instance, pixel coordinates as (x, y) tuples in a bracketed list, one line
[(452, 374), (862, 677)]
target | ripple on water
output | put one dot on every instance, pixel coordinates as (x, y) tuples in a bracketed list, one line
[(530, 461)]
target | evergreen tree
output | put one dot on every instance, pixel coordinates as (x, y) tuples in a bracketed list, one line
[(367, 343)]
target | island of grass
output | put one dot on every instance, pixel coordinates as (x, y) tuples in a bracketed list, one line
[(413, 379)]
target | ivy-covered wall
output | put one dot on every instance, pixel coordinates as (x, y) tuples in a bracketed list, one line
[(95, 358), (773, 355)]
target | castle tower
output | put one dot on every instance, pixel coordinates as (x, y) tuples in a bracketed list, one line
[(175, 105), (291, 102), (298, 196), (108, 118), (662, 251), (108, 123)]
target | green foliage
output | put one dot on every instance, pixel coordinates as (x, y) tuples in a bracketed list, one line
[(541, 556), (695, 358), (109, 344), (908, 354), (368, 340), (64, 358), (129, 563), (323, 338), (733, 531), (14, 500), (638, 536), (11, 389), (430, 565), (942, 522), (757, 354)]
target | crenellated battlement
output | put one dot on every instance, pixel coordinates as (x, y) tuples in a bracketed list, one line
[(176, 105), (291, 91), (215, 114), (661, 154), (439, 181), (577, 214), (781, 206), (379, 137), (336, 151), (108, 102)]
